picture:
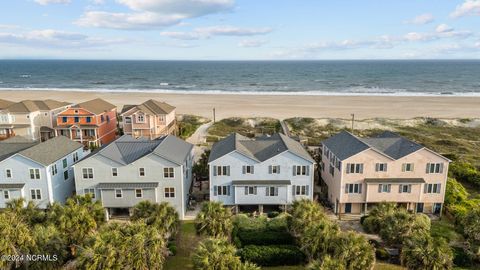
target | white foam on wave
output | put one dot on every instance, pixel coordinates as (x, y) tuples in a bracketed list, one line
[(348, 92)]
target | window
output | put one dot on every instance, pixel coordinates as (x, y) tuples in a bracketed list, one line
[(75, 157), (300, 190), (168, 172), (87, 173), (405, 189), (90, 191), (169, 192), (271, 191), (8, 173), (354, 167), (140, 118), (300, 170), (434, 168), (128, 120), (118, 193), (54, 169), (64, 119), (221, 190), (35, 174), (35, 194), (407, 167), (102, 118), (141, 171), (114, 171), (138, 193), (331, 170), (252, 190), (247, 169), (65, 175), (6, 194), (353, 188), (75, 111), (221, 170), (108, 119), (381, 167), (65, 163), (431, 188), (384, 188), (89, 119), (274, 169), (76, 119)]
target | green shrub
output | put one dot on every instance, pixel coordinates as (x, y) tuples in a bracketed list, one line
[(272, 255), (244, 223), (266, 237), (382, 254), (172, 247), (279, 223), (273, 214), (465, 172), (461, 257)]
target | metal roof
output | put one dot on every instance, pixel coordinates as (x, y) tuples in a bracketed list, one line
[(132, 185), (395, 180), (260, 182), (12, 186), (259, 149)]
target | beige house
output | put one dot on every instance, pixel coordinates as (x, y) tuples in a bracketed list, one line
[(361, 172), (151, 119), (33, 119)]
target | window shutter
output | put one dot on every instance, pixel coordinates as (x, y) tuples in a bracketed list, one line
[(389, 188), (439, 188), (403, 167), (244, 169), (409, 188), (228, 190), (293, 190), (400, 188), (266, 191), (441, 167), (348, 167), (214, 170), (255, 190), (253, 169), (276, 191), (425, 188), (346, 188), (246, 190), (385, 166), (215, 190), (228, 170), (413, 167), (361, 168), (270, 169), (278, 168), (294, 170), (428, 168), (307, 168), (360, 188), (379, 188), (377, 167), (307, 190)]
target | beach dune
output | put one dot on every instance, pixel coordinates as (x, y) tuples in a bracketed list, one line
[(280, 106)]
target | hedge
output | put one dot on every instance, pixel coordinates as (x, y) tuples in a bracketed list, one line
[(274, 255), (265, 238)]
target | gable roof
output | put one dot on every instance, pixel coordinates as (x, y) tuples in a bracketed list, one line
[(96, 106), (5, 103), (151, 107), (44, 153), (27, 106), (259, 149), (51, 150), (14, 145), (127, 149), (390, 144)]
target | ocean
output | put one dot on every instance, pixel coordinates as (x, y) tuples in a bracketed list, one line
[(362, 77)]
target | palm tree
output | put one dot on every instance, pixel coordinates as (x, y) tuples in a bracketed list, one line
[(327, 263), (401, 225), (424, 252), (162, 215), (218, 254), (471, 230), (303, 213), (373, 222), (16, 238), (317, 238), (353, 250), (49, 241), (214, 220), (95, 207)]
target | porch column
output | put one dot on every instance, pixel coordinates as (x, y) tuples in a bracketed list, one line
[(365, 212), (260, 209), (107, 216)]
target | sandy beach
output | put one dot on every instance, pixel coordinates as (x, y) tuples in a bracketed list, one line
[(281, 107)]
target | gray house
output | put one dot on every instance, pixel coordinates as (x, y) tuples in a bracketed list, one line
[(129, 170), (40, 172)]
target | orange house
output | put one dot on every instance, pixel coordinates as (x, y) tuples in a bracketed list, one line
[(92, 123)]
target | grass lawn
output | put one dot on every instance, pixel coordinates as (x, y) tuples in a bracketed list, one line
[(186, 244), (387, 266), (446, 229), (292, 267)]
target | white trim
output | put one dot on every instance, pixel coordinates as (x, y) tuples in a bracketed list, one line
[(144, 172), (164, 192), (6, 174), (7, 192), (93, 173), (141, 193), (115, 193), (36, 199), (35, 174)]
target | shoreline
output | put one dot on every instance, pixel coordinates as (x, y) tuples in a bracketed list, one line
[(279, 106)]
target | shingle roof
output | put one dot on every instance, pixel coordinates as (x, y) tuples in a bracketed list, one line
[(127, 149), (51, 150), (96, 106), (27, 106), (5, 103), (345, 145), (260, 149), (152, 107), (14, 145)]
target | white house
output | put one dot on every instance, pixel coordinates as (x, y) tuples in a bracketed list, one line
[(129, 170), (38, 171), (268, 171)]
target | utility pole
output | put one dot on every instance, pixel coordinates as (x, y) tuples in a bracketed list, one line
[(213, 114), (353, 120)]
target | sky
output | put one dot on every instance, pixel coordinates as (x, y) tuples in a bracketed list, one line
[(239, 29)]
